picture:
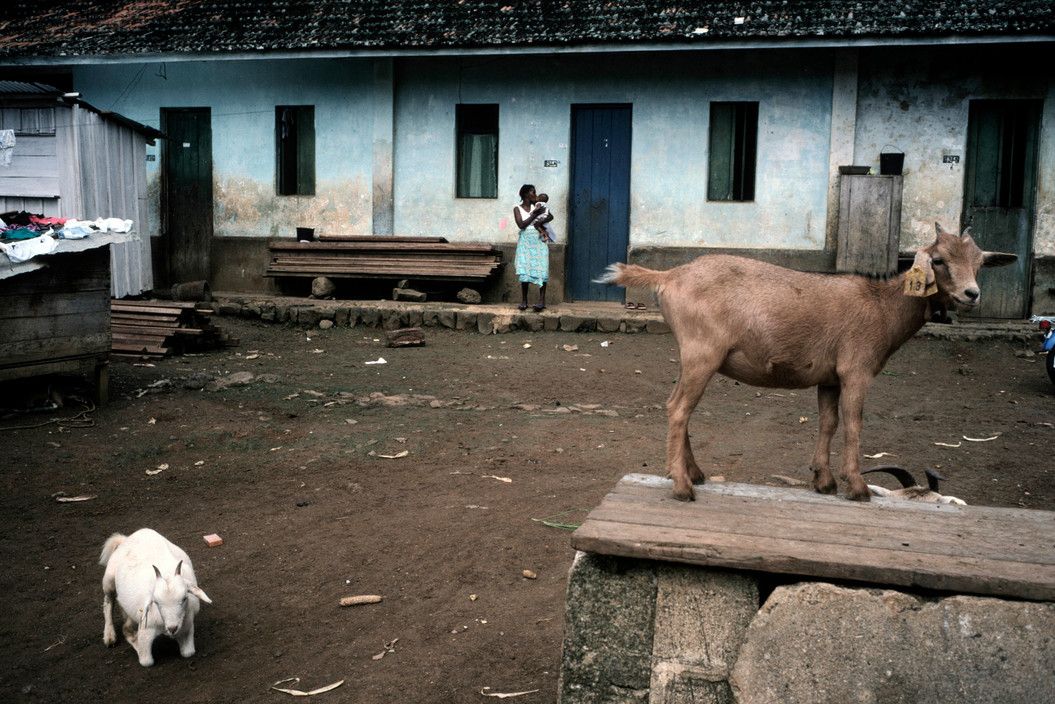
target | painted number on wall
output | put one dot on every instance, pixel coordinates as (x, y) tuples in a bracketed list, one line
[(950, 159)]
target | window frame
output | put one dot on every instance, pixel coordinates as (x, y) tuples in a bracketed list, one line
[(295, 152), (489, 112), (732, 156)]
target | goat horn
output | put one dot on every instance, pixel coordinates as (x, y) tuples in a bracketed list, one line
[(900, 473), (932, 480), (157, 571), (179, 566)]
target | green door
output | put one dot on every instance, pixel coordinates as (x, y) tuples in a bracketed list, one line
[(186, 192), (998, 198)]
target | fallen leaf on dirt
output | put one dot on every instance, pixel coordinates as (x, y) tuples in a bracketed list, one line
[(1045, 424), (473, 597), (396, 456), (947, 444), (527, 345), (317, 351), (350, 421), (251, 356), (717, 478), (312, 392), (528, 574), (152, 421), (301, 693), (199, 463), (275, 449), (379, 360), (60, 641), (390, 647), (880, 454), (571, 348), (803, 419), (73, 499), (981, 439), (506, 695), (605, 343), (361, 599), (790, 481), (507, 480)]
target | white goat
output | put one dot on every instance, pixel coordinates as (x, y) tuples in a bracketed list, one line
[(910, 490), (769, 326), (156, 589)]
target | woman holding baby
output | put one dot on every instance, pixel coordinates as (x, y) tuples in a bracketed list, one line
[(532, 256)]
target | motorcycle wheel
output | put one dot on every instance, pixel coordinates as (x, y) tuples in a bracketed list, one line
[(1049, 364)]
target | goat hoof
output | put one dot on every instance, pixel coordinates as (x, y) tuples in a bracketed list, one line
[(110, 639), (685, 494), (825, 488), (857, 496)]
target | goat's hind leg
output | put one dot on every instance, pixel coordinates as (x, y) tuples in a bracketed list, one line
[(109, 635), (828, 421), (696, 372)]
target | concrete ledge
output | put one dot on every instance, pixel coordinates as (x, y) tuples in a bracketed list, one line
[(501, 318)]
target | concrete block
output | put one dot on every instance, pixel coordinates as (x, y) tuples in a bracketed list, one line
[(464, 320), (415, 317), (267, 312), (573, 323), (677, 684), (607, 655), (393, 319), (635, 325), (484, 323), (817, 642), (551, 323), (228, 308), (657, 327), (608, 324), (447, 318), (431, 319), (702, 616), (341, 317), (370, 317)]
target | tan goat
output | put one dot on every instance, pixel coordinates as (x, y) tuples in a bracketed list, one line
[(774, 327)]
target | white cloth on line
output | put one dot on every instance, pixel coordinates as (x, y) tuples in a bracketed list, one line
[(7, 146)]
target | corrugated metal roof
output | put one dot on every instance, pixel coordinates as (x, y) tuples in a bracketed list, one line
[(81, 28), (26, 90)]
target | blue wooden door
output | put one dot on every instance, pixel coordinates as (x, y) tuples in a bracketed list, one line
[(599, 212)]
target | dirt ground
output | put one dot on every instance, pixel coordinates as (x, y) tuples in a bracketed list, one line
[(291, 472)]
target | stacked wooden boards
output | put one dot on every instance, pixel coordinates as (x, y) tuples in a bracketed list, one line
[(157, 328), (415, 258)]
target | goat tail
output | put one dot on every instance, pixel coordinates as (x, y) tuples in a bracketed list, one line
[(631, 275), (109, 546)]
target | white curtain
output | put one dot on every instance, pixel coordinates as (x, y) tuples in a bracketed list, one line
[(478, 170)]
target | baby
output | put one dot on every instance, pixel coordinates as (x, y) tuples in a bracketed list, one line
[(546, 232)]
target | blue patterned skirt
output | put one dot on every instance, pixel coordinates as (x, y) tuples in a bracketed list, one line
[(532, 258)]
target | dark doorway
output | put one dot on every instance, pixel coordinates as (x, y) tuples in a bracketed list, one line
[(998, 197), (186, 192), (599, 211)]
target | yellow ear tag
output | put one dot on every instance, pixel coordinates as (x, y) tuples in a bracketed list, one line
[(916, 282)]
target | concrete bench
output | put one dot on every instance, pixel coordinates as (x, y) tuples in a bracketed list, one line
[(757, 594)]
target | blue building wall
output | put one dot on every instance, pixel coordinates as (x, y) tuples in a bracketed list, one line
[(669, 152), (242, 96)]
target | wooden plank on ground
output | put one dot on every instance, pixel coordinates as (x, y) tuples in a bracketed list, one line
[(977, 550)]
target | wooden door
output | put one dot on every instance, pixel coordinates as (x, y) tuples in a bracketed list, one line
[(998, 197), (186, 192), (599, 211)]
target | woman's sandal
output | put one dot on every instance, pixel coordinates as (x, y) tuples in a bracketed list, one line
[(630, 306), (539, 307), (522, 306)]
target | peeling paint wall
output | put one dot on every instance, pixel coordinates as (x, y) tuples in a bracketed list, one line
[(242, 96), (669, 142), (916, 100)]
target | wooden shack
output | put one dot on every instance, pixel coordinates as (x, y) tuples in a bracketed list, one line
[(73, 160)]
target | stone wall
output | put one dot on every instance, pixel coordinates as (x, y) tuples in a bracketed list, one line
[(658, 633)]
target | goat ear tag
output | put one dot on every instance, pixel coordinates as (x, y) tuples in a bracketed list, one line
[(916, 282)]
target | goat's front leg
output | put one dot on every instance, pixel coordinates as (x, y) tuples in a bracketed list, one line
[(851, 404), (828, 407), (696, 372), (186, 640)]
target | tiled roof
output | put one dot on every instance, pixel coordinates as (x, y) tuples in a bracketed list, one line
[(78, 28)]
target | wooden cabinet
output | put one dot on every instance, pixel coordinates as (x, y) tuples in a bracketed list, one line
[(869, 224)]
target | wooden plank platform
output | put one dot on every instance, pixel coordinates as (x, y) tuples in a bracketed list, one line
[(969, 549), (423, 258)]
